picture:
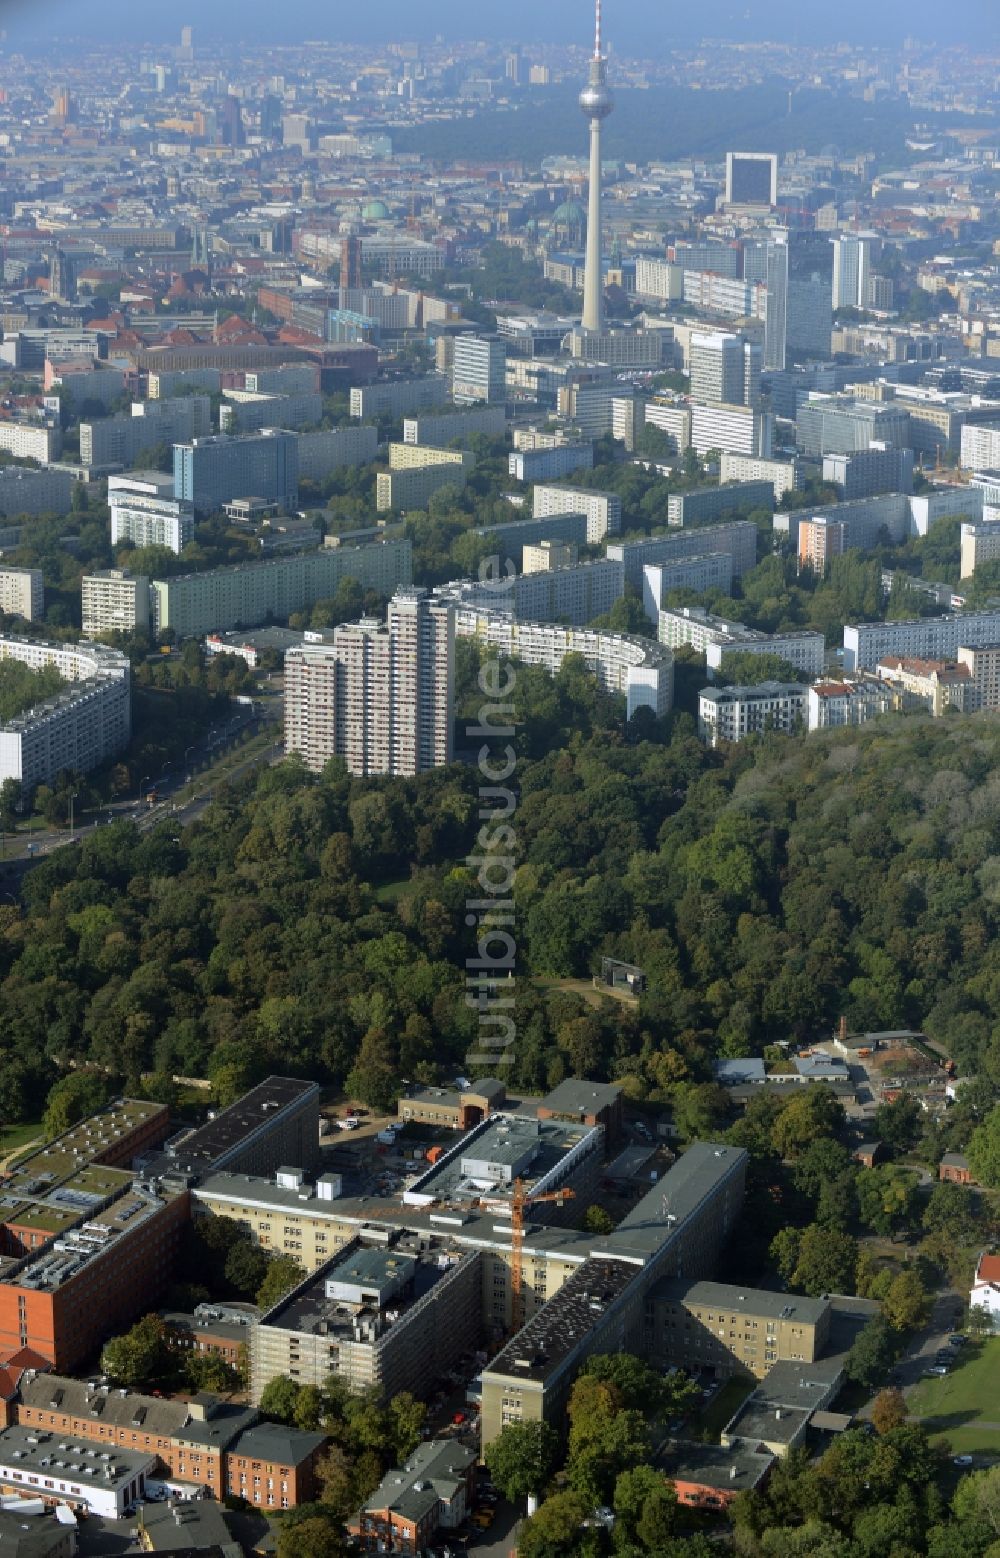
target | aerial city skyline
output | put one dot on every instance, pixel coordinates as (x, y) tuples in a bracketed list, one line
[(499, 816), (645, 27)]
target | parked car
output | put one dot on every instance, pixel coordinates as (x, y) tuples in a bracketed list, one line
[(957, 1341), (350, 1122), (458, 1418), (936, 1368), (962, 1460)]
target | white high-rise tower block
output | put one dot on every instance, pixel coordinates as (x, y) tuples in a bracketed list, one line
[(596, 103)]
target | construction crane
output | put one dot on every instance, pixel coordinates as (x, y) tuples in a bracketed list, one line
[(521, 1202)]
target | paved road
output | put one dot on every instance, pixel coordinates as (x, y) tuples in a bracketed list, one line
[(949, 1308), (215, 746)]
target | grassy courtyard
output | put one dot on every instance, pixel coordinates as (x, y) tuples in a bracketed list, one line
[(725, 1405), (964, 1407)]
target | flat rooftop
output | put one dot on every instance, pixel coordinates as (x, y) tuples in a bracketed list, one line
[(488, 1159), (732, 1469), (556, 1331), (70, 1460), (580, 1098), (259, 638), (761, 1422), (465, 1225), (66, 1256), (223, 1325), (654, 1219), (786, 1399), (91, 1137), (216, 1138), (67, 1183), (388, 1277)]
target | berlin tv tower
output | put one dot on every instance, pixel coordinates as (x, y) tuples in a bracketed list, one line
[(597, 103)]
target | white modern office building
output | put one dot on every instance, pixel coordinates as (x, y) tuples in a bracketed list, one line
[(81, 725), (479, 370), (725, 369), (381, 696), (852, 269), (741, 429), (145, 511)]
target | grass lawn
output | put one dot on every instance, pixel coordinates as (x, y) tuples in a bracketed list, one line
[(14, 1136), (957, 1406), (729, 1400), (392, 892)]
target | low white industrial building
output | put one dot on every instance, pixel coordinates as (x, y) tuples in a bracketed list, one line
[(88, 1476)]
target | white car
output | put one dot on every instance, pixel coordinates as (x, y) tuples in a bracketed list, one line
[(350, 1122)]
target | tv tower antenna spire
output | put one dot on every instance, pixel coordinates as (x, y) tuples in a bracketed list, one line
[(596, 103)]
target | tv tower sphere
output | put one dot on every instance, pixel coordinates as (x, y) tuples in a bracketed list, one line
[(595, 99)]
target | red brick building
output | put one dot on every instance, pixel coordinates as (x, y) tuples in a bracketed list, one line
[(206, 1441), (65, 1300), (954, 1169)]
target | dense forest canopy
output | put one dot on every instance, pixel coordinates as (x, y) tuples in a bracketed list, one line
[(317, 923), (649, 126)]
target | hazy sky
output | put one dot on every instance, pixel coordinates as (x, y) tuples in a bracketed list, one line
[(635, 25)]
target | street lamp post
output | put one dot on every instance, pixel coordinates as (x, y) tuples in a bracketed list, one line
[(141, 783), (72, 797)]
